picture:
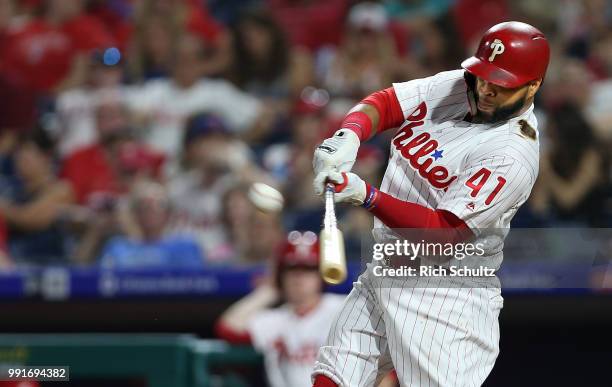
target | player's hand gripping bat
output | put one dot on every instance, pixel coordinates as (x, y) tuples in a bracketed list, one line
[(331, 243)]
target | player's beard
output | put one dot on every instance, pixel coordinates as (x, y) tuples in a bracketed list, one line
[(503, 113)]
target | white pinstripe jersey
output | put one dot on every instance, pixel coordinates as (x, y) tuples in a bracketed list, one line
[(290, 342), (482, 173)]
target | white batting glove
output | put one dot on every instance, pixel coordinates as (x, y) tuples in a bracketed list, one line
[(337, 153), (349, 187)]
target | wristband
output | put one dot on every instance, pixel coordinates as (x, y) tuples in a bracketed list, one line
[(358, 122), (371, 197)]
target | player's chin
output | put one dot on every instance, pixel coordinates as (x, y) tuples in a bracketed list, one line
[(486, 115)]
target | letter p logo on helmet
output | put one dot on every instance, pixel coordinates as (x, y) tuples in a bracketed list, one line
[(497, 47), (510, 54)]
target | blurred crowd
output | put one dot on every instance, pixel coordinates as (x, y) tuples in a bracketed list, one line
[(131, 130)]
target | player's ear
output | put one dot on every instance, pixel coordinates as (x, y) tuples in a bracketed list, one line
[(533, 88)]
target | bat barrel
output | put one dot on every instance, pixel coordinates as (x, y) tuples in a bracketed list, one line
[(333, 261), (331, 243)]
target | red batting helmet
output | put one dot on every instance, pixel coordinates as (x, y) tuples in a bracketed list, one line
[(299, 250), (510, 54)]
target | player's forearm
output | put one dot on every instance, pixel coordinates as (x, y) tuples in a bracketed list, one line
[(28, 218), (399, 214), (262, 124), (238, 316), (226, 333), (376, 113)]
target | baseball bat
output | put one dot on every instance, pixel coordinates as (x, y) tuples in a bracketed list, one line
[(331, 243)]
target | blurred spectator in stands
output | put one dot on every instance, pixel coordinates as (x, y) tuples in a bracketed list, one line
[(206, 174), (311, 24), (265, 232), (95, 168), (102, 172), (154, 249), (574, 172), (116, 16), (291, 163), (251, 234), (601, 55), (425, 36), (236, 214), (434, 45), (7, 17), (571, 81), (309, 127), (158, 29), (76, 107), (584, 28), (9, 182), (411, 10), (366, 60), (164, 105), (228, 11), (288, 335), (263, 63), (109, 214), (5, 261), (598, 109), (152, 48), (599, 66), (7, 13), (34, 214), (213, 162), (17, 111), (49, 52), (473, 17)]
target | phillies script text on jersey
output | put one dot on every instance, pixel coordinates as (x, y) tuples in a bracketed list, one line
[(438, 175)]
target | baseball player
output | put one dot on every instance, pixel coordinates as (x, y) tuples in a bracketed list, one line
[(290, 335), (464, 159)]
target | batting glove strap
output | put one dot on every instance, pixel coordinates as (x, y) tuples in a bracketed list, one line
[(339, 187)]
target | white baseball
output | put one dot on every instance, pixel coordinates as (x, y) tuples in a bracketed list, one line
[(266, 198)]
